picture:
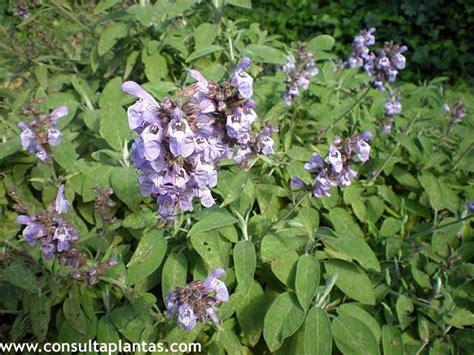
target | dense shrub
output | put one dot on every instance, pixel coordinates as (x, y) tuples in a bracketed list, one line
[(438, 33), (252, 194)]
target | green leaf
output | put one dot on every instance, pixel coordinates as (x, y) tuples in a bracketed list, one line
[(74, 314), (441, 196), (353, 310), (65, 154), (317, 333), (127, 322), (229, 340), (156, 67), (212, 249), (213, 220), (307, 279), (344, 223), (404, 308), (107, 333), (274, 245), (10, 147), (147, 257), (125, 185), (392, 341), (321, 43), (40, 314), (265, 54), (140, 219), (174, 272), (352, 280), (204, 35), (283, 319), (21, 276), (246, 4), (245, 262), (202, 51), (114, 127), (250, 312), (110, 36), (131, 60), (354, 248), (352, 336)]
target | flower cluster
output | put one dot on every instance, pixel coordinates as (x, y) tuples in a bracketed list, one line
[(197, 301), (92, 274), (456, 113), (58, 237), (55, 235), (336, 170), (384, 63), (392, 107), (299, 68), (40, 132), (180, 141)]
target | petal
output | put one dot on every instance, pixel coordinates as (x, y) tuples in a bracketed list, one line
[(23, 219), (59, 112)]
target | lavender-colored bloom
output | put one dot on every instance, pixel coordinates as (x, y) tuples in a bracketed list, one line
[(197, 301), (33, 231), (61, 203), (384, 63), (392, 107), (316, 162), (470, 207), (181, 141), (243, 81), (186, 317), (336, 170), (297, 183), (456, 113), (54, 136), (362, 150), (42, 132), (365, 136), (335, 159), (212, 283), (27, 136), (144, 110), (58, 113), (298, 69)]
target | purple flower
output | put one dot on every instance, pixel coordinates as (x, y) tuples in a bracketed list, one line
[(335, 159), (393, 106), (197, 301), (27, 135), (33, 231), (298, 69), (54, 136), (457, 113), (61, 203), (58, 113), (336, 170), (470, 207), (144, 110), (243, 81), (362, 150), (212, 283), (186, 317), (181, 141), (297, 183), (316, 162)]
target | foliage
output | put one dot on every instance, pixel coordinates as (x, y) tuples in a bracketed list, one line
[(384, 265), (437, 33)]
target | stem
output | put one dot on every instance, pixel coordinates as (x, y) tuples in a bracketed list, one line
[(463, 155), (379, 171), (281, 219), (422, 233), (349, 109)]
